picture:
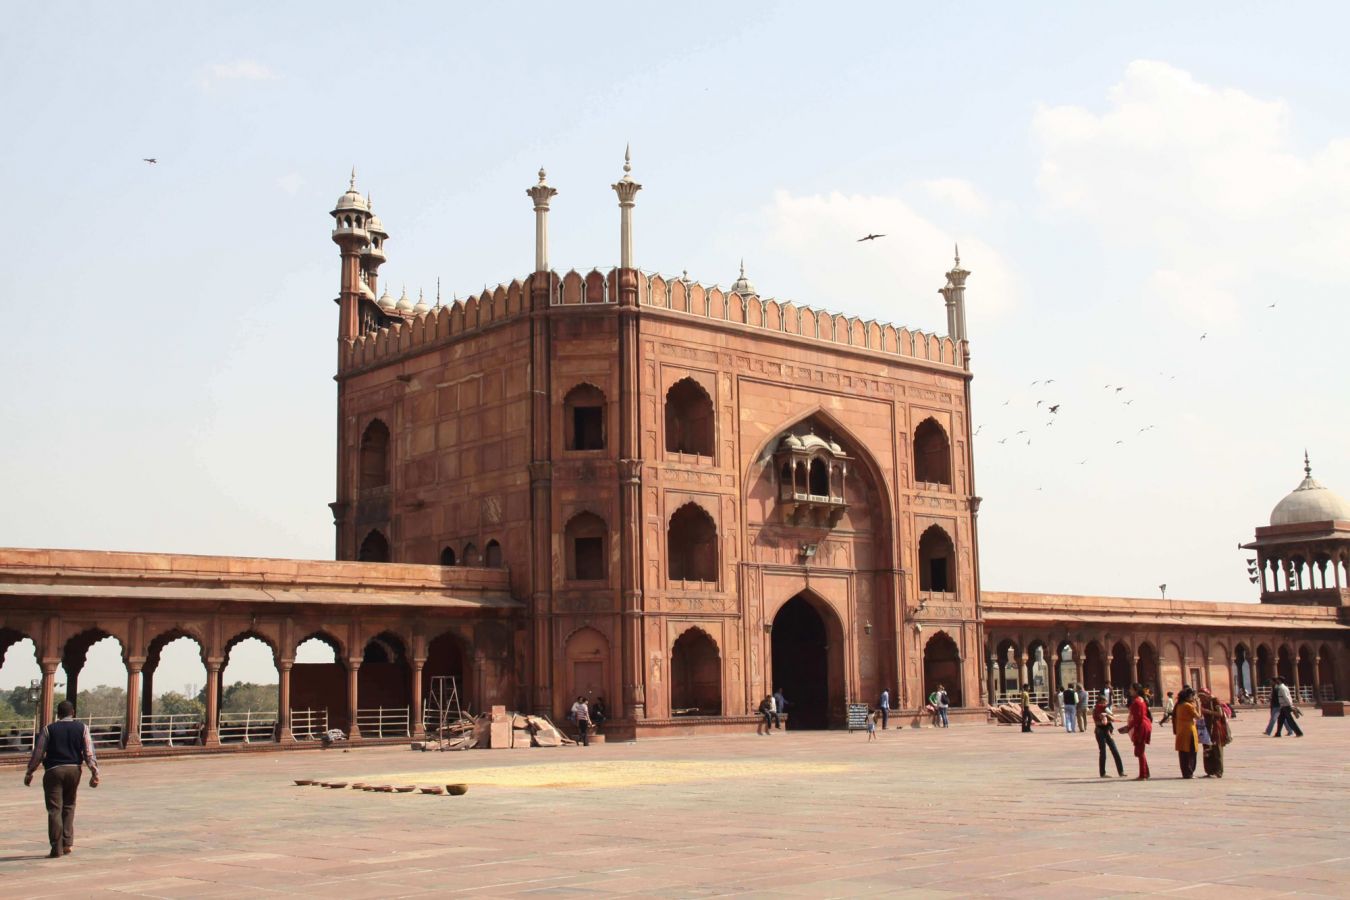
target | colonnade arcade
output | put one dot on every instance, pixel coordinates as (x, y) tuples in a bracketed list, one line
[(1236, 667), (370, 676)]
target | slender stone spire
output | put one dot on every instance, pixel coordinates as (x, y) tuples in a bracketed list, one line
[(1307, 465), (627, 189), (541, 194), (954, 293)]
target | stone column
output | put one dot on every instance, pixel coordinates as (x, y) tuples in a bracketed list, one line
[(1022, 670), (46, 701), (148, 691), (541, 194), (211, 738), (627, 189), (133, 732), (1052, 676), (993, 678), (353, 678), (284, 733), (416, 726)]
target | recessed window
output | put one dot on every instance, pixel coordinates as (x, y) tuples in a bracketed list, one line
[(689, 419), (584, 418), (585, 538)]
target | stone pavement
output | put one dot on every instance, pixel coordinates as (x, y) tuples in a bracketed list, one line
[(965, 812)]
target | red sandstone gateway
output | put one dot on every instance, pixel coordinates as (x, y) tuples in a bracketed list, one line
[(624, 485)]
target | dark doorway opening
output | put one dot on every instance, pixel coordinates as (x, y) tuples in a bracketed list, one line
[(801, 667)]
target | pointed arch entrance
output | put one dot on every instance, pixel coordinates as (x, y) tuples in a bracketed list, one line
[(942, 668), (808, 662)]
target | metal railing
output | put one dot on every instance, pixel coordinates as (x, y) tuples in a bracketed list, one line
[(1328, 693), (171, 730), (1305, 693), (17, 735), (248, 727), (1263, 696), (384, 721), (309, 724), (105, 731)]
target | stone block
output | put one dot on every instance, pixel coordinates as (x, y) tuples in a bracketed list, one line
[(1336, 708)]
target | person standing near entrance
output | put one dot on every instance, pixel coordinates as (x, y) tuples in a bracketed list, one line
[(1184, 718), (780, 705), (1103, 726), (1026, 711), (1082, 708), (1285, 717), (884, 707), (942, 705), (61, 748), (1139, 727), (1070, 709), (1169, 704)]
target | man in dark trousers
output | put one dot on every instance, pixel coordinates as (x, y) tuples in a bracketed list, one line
[(61, 748)]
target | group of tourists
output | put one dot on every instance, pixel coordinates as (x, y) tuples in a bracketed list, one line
[(587, 717), (1200, 726)]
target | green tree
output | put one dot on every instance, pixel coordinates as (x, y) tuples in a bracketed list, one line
[(8, 713), (172, 703), (245, 696), (21, 699), (104, 700)]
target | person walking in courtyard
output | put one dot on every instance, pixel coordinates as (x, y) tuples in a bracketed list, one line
[(1026, 711), (1106, 694), (943, 703), (884, 707), (1184, 717), (581, 714), (1215, 717), (1139, 727), (1081, 708), (1169, 703), (1057, 707), (61, 748), (767, 709), (1070, 713), (1285, 717), (1103, 724), (1274, 706), (872, 724)]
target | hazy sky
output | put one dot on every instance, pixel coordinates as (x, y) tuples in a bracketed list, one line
[(1122, 179)]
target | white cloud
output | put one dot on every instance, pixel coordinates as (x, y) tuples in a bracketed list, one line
[(237, 70), (1208, 181), (894, 278), (291, 183), (957, 193)]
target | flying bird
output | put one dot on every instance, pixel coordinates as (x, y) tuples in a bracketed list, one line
[(1271, 306), (1119, 389), (1049, 381), (1034, 383), (1028, 442), (1054, 409), (1082, 461), (1128, 402), (870, 237), (1023, 431), (150, 160), (1003, 440), (1120, 442), (1006, 402), (1038, 403), (1205, 335), (978, 430)]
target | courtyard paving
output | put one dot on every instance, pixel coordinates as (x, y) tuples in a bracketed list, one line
[(970, 811)]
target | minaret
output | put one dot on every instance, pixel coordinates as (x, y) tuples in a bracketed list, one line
[(541, 193), (632, 657), (627, 189), (349, 233), (955, 295), (372, 257)]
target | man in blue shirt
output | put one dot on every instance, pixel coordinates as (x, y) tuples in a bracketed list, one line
[(61, 748)]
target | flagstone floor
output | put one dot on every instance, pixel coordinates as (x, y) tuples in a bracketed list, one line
[(966, 812)]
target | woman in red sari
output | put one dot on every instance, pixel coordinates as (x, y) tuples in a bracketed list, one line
[(1139, 727)]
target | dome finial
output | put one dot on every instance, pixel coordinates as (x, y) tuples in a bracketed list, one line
[(351, 185), (627, 162), (958, 255), (542, 175), (1307, 466)]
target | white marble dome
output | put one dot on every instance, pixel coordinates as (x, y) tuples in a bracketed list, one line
[(1310, 502)]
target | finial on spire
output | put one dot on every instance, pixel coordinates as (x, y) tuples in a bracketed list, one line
[(351, 185), (438, 285), (958, 255), (542, 175), (742, 266), (627, 162), (1307, 466)]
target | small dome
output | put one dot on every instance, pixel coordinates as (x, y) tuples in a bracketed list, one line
[(352, 199), (791, 442), (404, 305), (816, 442), (1310, 502), (743, 285), (386, 301), (421, 306)]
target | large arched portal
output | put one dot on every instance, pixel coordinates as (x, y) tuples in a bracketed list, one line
[(942, 668), (808, 662)]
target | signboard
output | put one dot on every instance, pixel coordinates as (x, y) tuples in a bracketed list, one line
[(857, 716)]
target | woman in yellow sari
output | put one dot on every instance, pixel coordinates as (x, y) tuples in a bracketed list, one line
[(1183, 726)]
